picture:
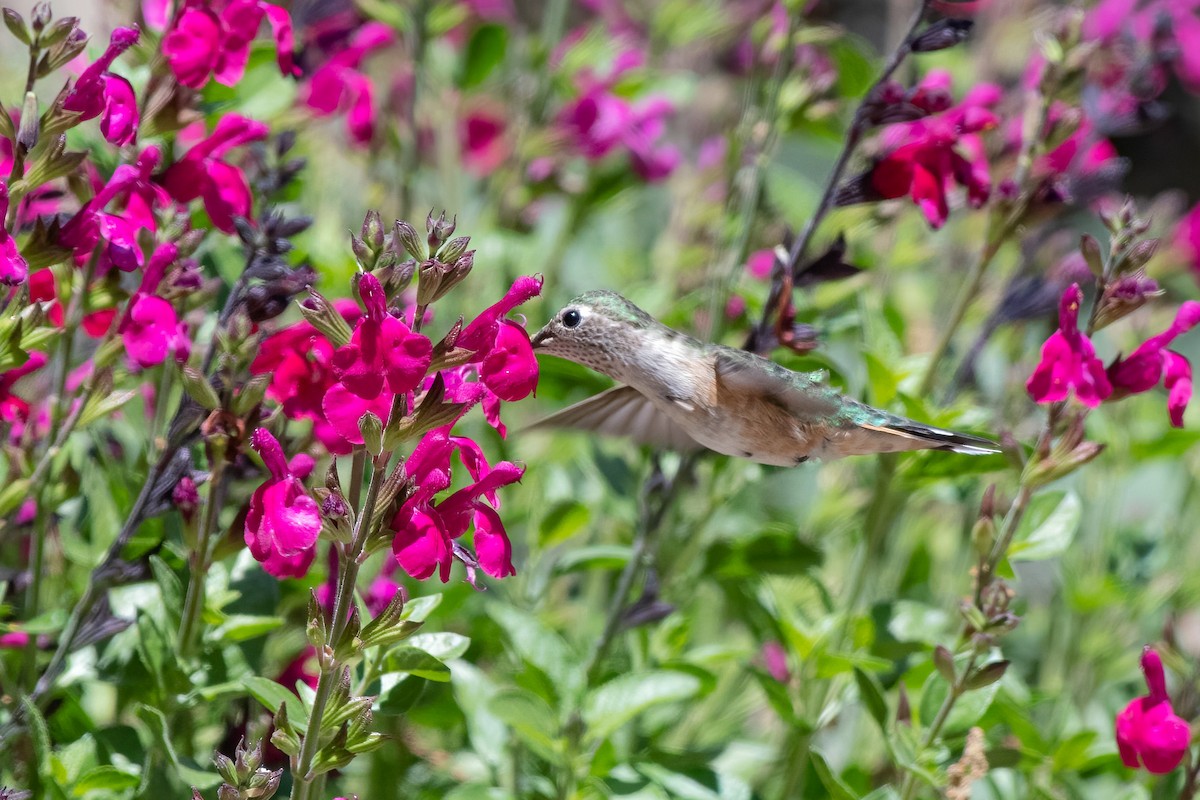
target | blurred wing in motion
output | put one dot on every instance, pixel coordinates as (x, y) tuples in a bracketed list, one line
[(622, 411)]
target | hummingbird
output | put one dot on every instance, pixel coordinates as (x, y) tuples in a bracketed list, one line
[(678, 393)]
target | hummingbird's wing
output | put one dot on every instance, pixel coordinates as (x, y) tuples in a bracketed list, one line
[(861, 428), (622, 411)]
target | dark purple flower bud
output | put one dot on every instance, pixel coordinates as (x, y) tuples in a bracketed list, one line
[(891, 92), (334, 506), (27, 133), (941, 35)]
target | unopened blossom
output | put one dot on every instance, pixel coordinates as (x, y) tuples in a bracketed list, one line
[(1069, 360), (339, 85), (283, 522), (382, 351), (1152, 363), (1149, 732), (13, 266), (202, 172), (99, 92), (212, 38)]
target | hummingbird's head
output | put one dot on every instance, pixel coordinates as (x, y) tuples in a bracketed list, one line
[(594, 329)]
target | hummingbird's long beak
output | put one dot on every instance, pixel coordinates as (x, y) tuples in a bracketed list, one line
[(540, 338)]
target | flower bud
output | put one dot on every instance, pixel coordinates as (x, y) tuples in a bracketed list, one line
[(987, 675), (59, 31), (453, 249), (186, 497), (41, 16), (362, 253), (405, 237), (942, 34), (325, 318), (1137, 257), (439, 230), (1090, 248), (943, 660), (199, 389), (27, 133), (372, 231), (16, 26), (372, 432)]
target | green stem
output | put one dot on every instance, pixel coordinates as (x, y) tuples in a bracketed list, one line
[(193, 604), (957, 689), (303, 782)]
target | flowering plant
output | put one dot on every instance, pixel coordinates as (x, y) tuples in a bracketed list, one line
[(270, 520)]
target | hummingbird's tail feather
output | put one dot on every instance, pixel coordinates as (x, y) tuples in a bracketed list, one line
[(927, 437)]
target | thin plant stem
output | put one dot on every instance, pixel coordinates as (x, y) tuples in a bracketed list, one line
[(784, 273), (303, 783), (909, 787), (193, 605)]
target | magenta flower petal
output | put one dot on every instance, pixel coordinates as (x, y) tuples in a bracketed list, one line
[(192, 48), (1069, 361), (119, 124), (1148, 732), (285, 44), (149, 330), (13, 266), (282, 521), (510, 370), (492, 545), (421, 547), (226, 194), (343, 409), (1178, 383)]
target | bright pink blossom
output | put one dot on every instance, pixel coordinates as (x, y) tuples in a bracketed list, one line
[(1149, 732), (1187, 238), (202, 173), (382, 349), (151, 329), (483, 143), (760, 264), (283, 522), (1152, 363), (599, 121), (426, 532), (505, 357), (213, 37), (339, 85), (14, 410), (1069, 360), (100, 92), (343, 409), (13, 266)]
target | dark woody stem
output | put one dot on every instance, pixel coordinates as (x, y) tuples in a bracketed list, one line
[(784, 274)]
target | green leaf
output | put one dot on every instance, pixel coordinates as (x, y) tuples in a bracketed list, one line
[(444, 645), (419, 608), (917, 622), (412, 661), (105, 777), (272, 695), (563, 521), (100, 406), (871, 694), (240, 627), (832, 783), (540, 646), (597, 556), (967, 709), (484, 52), (187, 770), (610, 706), (531, 719), (1048, 527), (770, 553)]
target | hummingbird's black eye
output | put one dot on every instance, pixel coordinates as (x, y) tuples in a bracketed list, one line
[(571, 318)]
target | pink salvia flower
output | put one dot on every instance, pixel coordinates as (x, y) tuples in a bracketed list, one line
[(1152, 363), (212, 39), (1069, 360), (13, 266), (283, 522), (202, 173), (508, 367), (338, 85), (382, 349), (483, 143), (14, 410), (151, 329), (1149, 733), (99, 92)]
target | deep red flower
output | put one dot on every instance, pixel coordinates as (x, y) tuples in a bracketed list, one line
[(482, 142), (151, 329), (1149, 732), (283, 522), (1069, 360), (1152, 363), (14, 410), (202, 173), (503, 353)]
